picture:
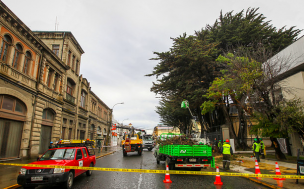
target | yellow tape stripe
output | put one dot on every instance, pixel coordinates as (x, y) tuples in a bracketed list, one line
[(160, 171)]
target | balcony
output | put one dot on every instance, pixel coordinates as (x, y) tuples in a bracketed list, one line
[(70, 98)]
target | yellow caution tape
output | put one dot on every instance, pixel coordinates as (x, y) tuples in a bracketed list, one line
[(161, 171)]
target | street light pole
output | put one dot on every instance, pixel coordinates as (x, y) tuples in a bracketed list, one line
[(110, 123), (123, 121)]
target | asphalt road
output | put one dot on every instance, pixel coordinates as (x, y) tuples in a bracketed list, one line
[(105, 180)]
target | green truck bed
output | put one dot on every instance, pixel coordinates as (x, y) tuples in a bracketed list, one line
[(186, 150)]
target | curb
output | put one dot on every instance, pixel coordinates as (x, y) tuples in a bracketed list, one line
[(15, 186), (263, 183)]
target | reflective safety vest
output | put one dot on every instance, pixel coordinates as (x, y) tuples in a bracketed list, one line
[(219, 145), (226, 149), (257, 147), (262, 145)]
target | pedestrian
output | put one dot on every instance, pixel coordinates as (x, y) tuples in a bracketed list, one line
[(58, 143), (51, 145), (256, 149), (220, 145), (226, 150), (262, 148)]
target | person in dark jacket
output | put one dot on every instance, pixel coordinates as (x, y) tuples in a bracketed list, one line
[(227, 151), (51, 145)]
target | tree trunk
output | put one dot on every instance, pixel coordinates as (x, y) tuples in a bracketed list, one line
[(278, 153)]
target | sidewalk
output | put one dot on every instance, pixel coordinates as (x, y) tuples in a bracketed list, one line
[(267, 166), (9, 174)]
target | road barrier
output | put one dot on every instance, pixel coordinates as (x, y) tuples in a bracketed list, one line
[(160, 171)]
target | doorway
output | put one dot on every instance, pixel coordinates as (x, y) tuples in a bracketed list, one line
[(10, 138)]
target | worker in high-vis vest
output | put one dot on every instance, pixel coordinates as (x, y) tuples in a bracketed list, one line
[(262, 148), (256, 149), (227, 152), (219, 145)]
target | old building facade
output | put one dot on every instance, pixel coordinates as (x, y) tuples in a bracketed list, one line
[(43, 97)]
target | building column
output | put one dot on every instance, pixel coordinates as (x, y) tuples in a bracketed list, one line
[(46, 74)]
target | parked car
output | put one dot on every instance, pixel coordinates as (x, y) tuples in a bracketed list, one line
[(65, 155)]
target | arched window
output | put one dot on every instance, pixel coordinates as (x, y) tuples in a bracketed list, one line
[(27, 61), (48, 117), (16, 58), (9, 103), (6, 42)]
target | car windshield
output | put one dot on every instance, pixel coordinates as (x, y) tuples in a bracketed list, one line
[(147, 138), (58, 154)]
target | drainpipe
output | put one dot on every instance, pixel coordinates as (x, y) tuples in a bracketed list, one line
[(62, 45)]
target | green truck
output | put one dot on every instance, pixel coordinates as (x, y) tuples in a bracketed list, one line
[(194, 157)]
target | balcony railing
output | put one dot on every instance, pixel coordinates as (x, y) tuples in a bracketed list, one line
[(70, 98)]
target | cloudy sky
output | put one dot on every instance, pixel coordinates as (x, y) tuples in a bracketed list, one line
[(120, 36)]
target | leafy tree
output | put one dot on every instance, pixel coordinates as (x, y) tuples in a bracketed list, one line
[(186, 71)]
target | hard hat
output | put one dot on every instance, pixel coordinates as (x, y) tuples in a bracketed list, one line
[(261, 139), (227, 140), (220, 140), (60, 139), (51, 142), (88, 139), (255, 139)]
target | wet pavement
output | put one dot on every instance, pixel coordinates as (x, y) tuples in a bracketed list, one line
[(109, 159), (110, 180)]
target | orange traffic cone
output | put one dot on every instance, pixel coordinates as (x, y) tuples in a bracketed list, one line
[(218, 177), (278, 172), (280, 183), (167, 176), (257, 169)]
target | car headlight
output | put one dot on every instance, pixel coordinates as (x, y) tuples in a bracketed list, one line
[(59, 170), (22, 171)]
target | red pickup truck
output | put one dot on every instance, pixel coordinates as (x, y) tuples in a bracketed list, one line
[(66, 155)]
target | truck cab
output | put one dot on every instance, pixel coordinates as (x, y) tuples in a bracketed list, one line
[(131, 143), (148, 142)]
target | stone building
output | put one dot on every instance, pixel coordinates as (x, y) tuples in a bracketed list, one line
[(42, 96)]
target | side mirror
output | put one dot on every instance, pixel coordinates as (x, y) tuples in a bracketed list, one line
[(78, 157)]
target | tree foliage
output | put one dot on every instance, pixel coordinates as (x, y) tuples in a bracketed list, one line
[(197, 68)]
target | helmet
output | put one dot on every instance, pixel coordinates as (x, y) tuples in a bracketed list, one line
[(51, 142), (227, 140), (261, 139), (255, 139), (220, 140)]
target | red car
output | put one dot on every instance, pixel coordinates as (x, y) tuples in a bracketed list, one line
[(67, 155)]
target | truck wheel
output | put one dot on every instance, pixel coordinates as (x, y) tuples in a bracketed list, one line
[(124, 153), (149, 149), (89, 172), (196, 169), (28, 187), (139, 152), (69, 183), (157, 160), (171, 166)]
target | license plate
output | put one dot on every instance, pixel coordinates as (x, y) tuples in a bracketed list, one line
[(192, 160), (36, 178)]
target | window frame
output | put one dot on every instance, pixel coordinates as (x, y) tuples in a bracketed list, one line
[(27, 62), (16, 57), (5, 47), (55, 51)]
